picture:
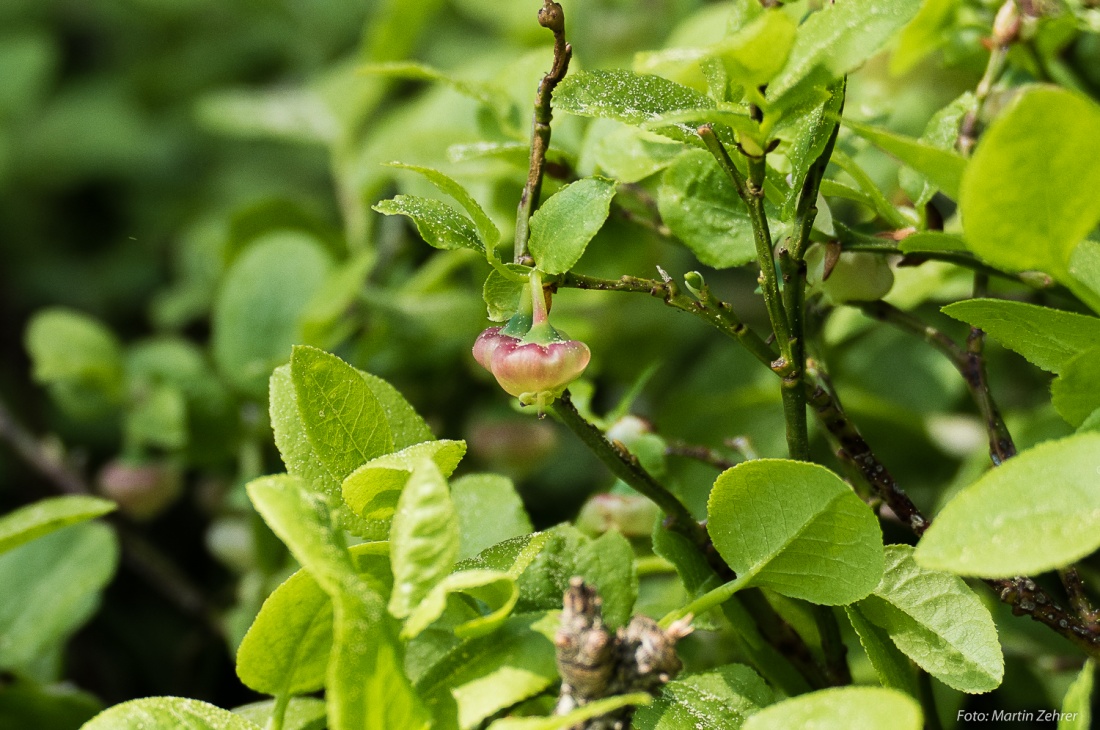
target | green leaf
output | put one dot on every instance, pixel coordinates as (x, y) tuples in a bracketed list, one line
[(575, 718), (839, 38), (1047, 493), (932, 241), (927, 32), (630, 154), (630, 98), (286, 650), (1029, 193), (502, 295), (941, 132), (423, 538), (158, 419), (256, 314), (608, 563), (943, 168), (482, 676), (51, 587), (511, 556), (842, 708), (563, 225), (1047, 338), (438, 223), (701, 207), (406, 424), (372, 490), (938, 622), (487, 230), (893, 668), (1076, 391), (720, 699), (297, 115), (489, 512), (498, 591), (302, 713), (1077, 705), (47, 515), (25, 704), (483, 93), (756, 53), (168, 713), (344, 422), (809, 134), (796, 528), (65, 345)]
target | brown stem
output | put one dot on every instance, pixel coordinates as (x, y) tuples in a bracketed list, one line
[(551, 16), (705, 454)]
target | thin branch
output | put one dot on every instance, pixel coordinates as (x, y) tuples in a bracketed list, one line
[(703, 454), (1075, 589), (625, 466), (551, 16)]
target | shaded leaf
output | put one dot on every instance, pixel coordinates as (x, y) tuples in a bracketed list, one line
[(715, 700), (843, 708), (489, 512), (892, 668), (563, 225), (372, 490), (47, 515)]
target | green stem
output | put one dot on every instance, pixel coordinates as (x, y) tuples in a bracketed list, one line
[(278, 713), (551, 16), (710, 599), (625, 466)]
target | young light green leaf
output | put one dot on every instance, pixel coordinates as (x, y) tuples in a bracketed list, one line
[(372, 490), (286, 650), (842, 708), (563, 225), (1077, 705), (894, 670), (720, 699), (1029, 194), (47, 515), (978, 532), (809, 134), (487, 230), (511, 556), (630, 154), (423, 538), (158, 419), (489, 512), (575, 718), (168, 713), (302, 713), (65, 345), (263, 295), (927, 32), (298, 115), (753, 55), (943, 168), (366, 686), (630, 98), (406, 425), (938, 622), (51, 587), (438, 223), (498, 591), (344, 422), (1048, 338), (839, 38), (701, 207), (420, 72), (1076, 391), (481, 676), (796, 528)]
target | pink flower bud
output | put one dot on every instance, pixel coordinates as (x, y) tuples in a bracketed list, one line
[(535, 368), (485, 344)]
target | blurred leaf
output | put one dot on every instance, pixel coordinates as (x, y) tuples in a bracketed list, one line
[(941, 132), (423, 538), (938, 622), (1049, 135), (158, 419), (893, 669), (943, 168), (753, 55), (701, 207), (70, 347), (168, 713), (263, 295), (51, 587), (373, 489), (575, 717), (439, 224), (977, 533), (1077, 705), (292, 115), (809, 135), (564, 224), (1076, 391), (796, 528), (1048, 338), (842, 708), (489, 512), (629, 154), (25, 704), (924, 35), (47, 515), (715, 700)]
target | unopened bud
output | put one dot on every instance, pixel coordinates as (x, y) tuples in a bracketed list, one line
[(1006, 25)]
